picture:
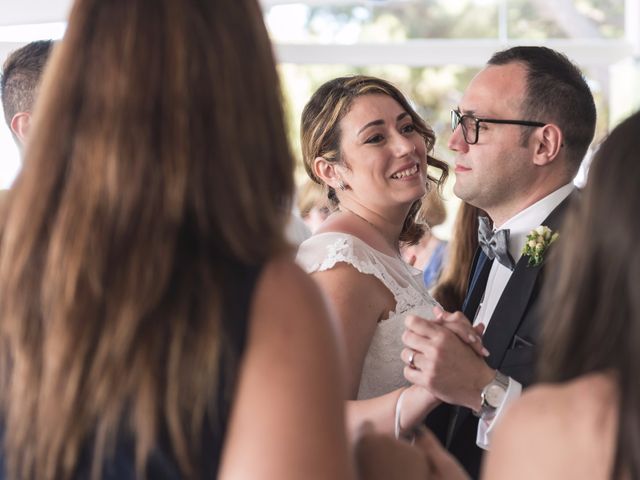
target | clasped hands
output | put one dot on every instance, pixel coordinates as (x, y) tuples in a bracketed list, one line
[(445, 355)]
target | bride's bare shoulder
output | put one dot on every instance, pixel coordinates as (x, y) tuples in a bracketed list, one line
[(562, 430)]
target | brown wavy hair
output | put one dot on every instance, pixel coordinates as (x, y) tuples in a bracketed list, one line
[(452, 285), (320, 134), (160, 130), (592, 322)]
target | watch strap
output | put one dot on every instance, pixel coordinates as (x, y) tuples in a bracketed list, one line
[(502, 381)]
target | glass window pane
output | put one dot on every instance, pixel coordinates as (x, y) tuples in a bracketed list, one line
[(579, 19), (391, 21), (346, 22)]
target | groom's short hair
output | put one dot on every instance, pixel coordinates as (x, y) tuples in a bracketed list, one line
[(556, 93)]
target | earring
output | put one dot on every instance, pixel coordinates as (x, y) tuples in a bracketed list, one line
[(341, 185)]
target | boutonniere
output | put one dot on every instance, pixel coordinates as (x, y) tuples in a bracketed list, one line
[(538, 241)]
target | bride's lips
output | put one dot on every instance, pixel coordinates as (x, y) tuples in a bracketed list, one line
[(406, 171)]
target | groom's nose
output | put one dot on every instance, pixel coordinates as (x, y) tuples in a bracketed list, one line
[(457, 142)]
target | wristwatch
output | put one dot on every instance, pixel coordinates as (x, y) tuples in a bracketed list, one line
[(493, 394)]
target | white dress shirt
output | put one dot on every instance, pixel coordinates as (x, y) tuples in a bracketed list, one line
[(520, 226)]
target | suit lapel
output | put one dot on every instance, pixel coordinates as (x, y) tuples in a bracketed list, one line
[(508, 313), (477, 284)]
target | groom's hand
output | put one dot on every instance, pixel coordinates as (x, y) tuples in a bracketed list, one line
[(458, 324), (444, 364)]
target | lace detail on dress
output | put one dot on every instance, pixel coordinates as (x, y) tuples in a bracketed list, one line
[(382, 369)]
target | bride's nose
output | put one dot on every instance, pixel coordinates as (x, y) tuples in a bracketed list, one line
[(403, 146)]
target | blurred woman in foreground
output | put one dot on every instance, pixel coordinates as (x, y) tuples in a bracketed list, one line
[(145, 331)]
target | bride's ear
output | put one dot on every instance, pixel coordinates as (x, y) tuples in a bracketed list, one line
[(328, 173)]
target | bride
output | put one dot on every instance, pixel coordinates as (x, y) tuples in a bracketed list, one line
[(362, 140)]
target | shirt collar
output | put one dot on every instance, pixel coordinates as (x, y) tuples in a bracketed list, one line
[(521, 224)]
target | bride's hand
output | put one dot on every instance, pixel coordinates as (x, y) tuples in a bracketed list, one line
[(457, 323)]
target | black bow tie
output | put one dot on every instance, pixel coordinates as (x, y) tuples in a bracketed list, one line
[(495, 244)]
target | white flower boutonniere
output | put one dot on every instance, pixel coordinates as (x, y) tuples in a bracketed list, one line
[(538, 241)]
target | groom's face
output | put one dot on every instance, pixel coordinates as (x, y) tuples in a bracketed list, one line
[(495, 172)]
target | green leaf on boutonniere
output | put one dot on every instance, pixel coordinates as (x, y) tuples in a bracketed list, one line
[(537, 243)]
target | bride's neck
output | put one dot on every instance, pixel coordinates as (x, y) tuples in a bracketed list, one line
[(389, 231)]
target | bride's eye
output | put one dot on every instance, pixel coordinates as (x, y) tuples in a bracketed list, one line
[(409, 128), (377, 138)]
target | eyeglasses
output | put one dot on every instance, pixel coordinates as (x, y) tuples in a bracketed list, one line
[(471, 125)]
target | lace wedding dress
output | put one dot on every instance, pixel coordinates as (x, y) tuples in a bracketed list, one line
[(382, 370)]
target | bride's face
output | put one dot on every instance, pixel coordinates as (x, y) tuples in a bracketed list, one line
[(384, 155)]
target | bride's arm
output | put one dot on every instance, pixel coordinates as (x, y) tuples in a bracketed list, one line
[(360, 301), (416, 403)]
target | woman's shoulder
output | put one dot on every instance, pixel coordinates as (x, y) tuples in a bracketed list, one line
[(291, 367), (282, 276), (287, 299), (564, 430), (340, 226), (325, 249), (339, 222), (569, 406), (357, 228)]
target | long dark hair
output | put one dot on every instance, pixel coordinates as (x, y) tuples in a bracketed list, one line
[(320, 134), (592, 323), (451, 288), (158, 157)]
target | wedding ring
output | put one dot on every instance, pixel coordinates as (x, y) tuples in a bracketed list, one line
[(412, 356)]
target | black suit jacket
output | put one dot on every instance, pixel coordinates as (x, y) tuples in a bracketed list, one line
[(511, 339)]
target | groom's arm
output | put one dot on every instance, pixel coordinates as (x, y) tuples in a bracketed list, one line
[(487, 423), (519, 365), (452, 372)]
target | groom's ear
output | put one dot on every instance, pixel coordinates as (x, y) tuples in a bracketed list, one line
[(548, 143), (20, 126)]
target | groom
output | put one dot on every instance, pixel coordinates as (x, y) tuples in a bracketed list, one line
[(520, 133)]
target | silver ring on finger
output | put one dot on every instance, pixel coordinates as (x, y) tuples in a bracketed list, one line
[(412, 357)]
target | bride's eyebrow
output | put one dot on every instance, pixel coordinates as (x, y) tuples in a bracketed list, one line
[(375, 123), (371, 124)]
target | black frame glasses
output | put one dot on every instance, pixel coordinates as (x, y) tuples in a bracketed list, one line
[(458, 119)]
